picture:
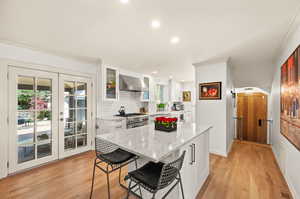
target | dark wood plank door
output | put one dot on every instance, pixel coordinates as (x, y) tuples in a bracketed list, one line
[(252, 117)]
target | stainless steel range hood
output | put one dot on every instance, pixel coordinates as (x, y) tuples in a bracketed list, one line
[(131, 84)]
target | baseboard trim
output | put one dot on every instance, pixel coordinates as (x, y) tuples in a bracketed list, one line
[(220, 153), (230, 147), (286, 177), (291, 187)]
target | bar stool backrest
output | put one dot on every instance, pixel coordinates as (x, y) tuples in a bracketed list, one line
[(170, 172), (103, 147)]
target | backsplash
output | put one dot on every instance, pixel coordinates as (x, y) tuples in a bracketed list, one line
[(131, 101)]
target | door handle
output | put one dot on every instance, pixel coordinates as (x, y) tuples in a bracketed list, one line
[(192, 156), (260, 122)]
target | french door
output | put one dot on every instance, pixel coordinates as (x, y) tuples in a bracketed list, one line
[(49, 117), (74, 115), (33, 108)]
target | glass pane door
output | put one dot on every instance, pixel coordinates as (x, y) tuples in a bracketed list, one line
[(111, 84), (146, 87), (33, 102), (75, 115)]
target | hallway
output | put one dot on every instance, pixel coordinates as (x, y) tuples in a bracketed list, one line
[(250, 172)]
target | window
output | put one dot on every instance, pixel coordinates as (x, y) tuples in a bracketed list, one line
[(160, 93)]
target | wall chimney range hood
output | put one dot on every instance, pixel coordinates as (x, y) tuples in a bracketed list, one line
[(130, 84)]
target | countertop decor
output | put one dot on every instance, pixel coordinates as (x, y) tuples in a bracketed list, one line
[(165, 124)]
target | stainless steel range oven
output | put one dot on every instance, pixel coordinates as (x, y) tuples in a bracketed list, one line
[(135, 120)]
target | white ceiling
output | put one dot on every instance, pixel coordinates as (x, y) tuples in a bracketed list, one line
[(249, 31)]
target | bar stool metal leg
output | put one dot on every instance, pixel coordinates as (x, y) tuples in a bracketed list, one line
[(181, 186), (129, 190), (120, 176), (153, 196), (136, 167), (108, 184), (93, 178)]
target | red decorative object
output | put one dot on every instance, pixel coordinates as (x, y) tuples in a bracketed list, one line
[(165, 124)]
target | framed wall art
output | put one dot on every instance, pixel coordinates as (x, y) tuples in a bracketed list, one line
[(210, 91), (186, 96), (289, 99)]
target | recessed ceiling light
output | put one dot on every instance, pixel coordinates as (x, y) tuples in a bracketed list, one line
[(174, 40), (155, 24), (154, 72), (124, 1)]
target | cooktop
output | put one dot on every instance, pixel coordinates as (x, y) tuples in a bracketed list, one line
[(130, 114)]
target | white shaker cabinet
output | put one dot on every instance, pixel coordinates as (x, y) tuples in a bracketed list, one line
[(110, 84), (145, 94), (196, 165)]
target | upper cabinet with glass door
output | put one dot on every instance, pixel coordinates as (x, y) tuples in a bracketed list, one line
[(145, 96), (111, 83)]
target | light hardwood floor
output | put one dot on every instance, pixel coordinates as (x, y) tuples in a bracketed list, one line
[(250, 172)]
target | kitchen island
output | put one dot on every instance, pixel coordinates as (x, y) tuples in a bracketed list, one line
[(152, 145)]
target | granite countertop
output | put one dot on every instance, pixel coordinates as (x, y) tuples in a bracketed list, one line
[(159, 113), (112, 118), (155, 145), (168, 112), (116, 118)]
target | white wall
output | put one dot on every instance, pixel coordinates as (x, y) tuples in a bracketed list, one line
[(288, 157), (190, 106), (229, 109), (215, 112), (131, 101), (44, 61), (36, 57)]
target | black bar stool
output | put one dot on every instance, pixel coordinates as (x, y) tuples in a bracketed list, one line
[(114, 158), (156, 176)]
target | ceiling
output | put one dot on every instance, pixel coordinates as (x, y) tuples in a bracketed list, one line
[(248, 31)]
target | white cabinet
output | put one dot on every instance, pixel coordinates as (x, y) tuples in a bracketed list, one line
[(145, 95), (195, 168), (201, 159), (111, 84), (107, 125), (187, 172)]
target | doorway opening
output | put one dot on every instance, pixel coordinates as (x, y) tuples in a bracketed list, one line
[(252, 116)]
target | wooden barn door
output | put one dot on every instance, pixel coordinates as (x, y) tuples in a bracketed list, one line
[(252, 117)]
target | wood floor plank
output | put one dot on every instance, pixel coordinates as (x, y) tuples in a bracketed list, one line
[(249, 172)]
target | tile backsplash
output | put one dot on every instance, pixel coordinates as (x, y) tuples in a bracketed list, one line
[(131, 101)]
